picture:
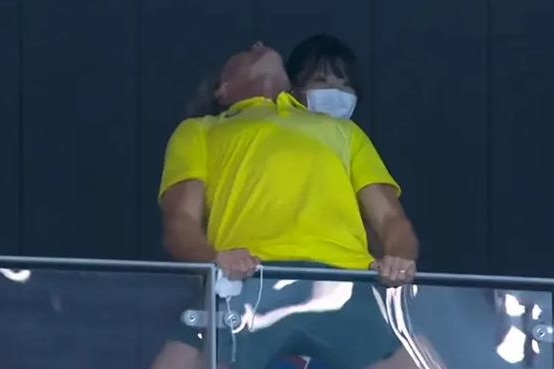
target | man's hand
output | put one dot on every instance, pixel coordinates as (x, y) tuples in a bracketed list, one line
[(237, 263), (383, 214), (395, 271)]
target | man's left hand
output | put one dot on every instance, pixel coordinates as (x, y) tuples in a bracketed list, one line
[(395, 271)]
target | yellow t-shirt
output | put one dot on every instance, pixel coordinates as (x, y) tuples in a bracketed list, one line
[(280, 181)]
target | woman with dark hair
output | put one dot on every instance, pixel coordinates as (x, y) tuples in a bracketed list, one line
[(324, 74)]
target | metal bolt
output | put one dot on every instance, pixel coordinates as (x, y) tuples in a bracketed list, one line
[(191, 317), (232, 320), (543, 333)]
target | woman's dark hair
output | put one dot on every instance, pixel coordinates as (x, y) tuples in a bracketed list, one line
[(323, 51)]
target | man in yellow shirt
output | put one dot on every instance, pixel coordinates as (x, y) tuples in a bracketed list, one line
[(269, 181)]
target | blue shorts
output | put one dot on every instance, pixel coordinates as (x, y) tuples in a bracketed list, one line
[(352, 336)]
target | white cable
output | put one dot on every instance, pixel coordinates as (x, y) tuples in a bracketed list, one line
[(258, 300), (231, 328), (250, 328)]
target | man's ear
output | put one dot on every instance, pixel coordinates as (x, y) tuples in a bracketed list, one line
[(222, 93)]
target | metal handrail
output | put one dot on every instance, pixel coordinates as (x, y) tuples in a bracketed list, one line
[(442, 279), (109, 265), (425, 278)]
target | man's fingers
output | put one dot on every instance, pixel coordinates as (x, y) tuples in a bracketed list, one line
[(375, 265), (397, 273), (238, 263), (406, 271), (410, 271), (226, 271), (237, 270), (245, 265), (243, 268), (253, 263), (385, 267), (413, 269), (234, 274), (251, 266)]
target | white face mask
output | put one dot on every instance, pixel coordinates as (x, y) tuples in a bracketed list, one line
[(332, 101)]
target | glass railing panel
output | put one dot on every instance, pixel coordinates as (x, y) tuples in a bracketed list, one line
[(284, 319), (324, 319), (91, 315), (503, 327)]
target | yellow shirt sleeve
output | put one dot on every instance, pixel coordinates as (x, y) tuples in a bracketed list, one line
[(367, 168), (185, 155)]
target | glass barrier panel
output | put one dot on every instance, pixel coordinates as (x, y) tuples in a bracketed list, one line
[(56, 319), (479, 327), (330, 324)]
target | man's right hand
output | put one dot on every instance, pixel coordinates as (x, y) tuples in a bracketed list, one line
[(395, 271), (237, 263)]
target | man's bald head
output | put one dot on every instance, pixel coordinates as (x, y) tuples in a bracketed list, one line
[(257, 72)]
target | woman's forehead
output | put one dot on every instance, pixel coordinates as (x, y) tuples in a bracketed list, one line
[(329, 68)]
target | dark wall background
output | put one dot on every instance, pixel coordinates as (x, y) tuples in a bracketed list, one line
[(460, 102)]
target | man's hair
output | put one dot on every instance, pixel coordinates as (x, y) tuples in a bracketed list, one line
[(323, 51), (204, 102)]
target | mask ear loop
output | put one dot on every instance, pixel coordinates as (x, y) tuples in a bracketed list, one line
[(258, 300)]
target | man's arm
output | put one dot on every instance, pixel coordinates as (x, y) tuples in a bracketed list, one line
[(399, 246), (383, 214), (183, 237), (375, 247)]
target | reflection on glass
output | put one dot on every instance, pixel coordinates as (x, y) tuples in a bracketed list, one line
[(87, 320), (57, 319), (483, 328), (511, 348), (20, 276), (325, 297), (435, 327), (343, 324)]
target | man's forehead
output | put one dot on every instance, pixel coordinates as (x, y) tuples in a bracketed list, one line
[(235, 64), (241, 62)]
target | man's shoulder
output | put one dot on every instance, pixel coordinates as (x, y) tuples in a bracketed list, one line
[(353, 128), (198, 122), (192, 127), (347, 126)]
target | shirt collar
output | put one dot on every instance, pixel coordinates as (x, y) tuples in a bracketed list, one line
[(284, 99), (248, 103), (287, 99)]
